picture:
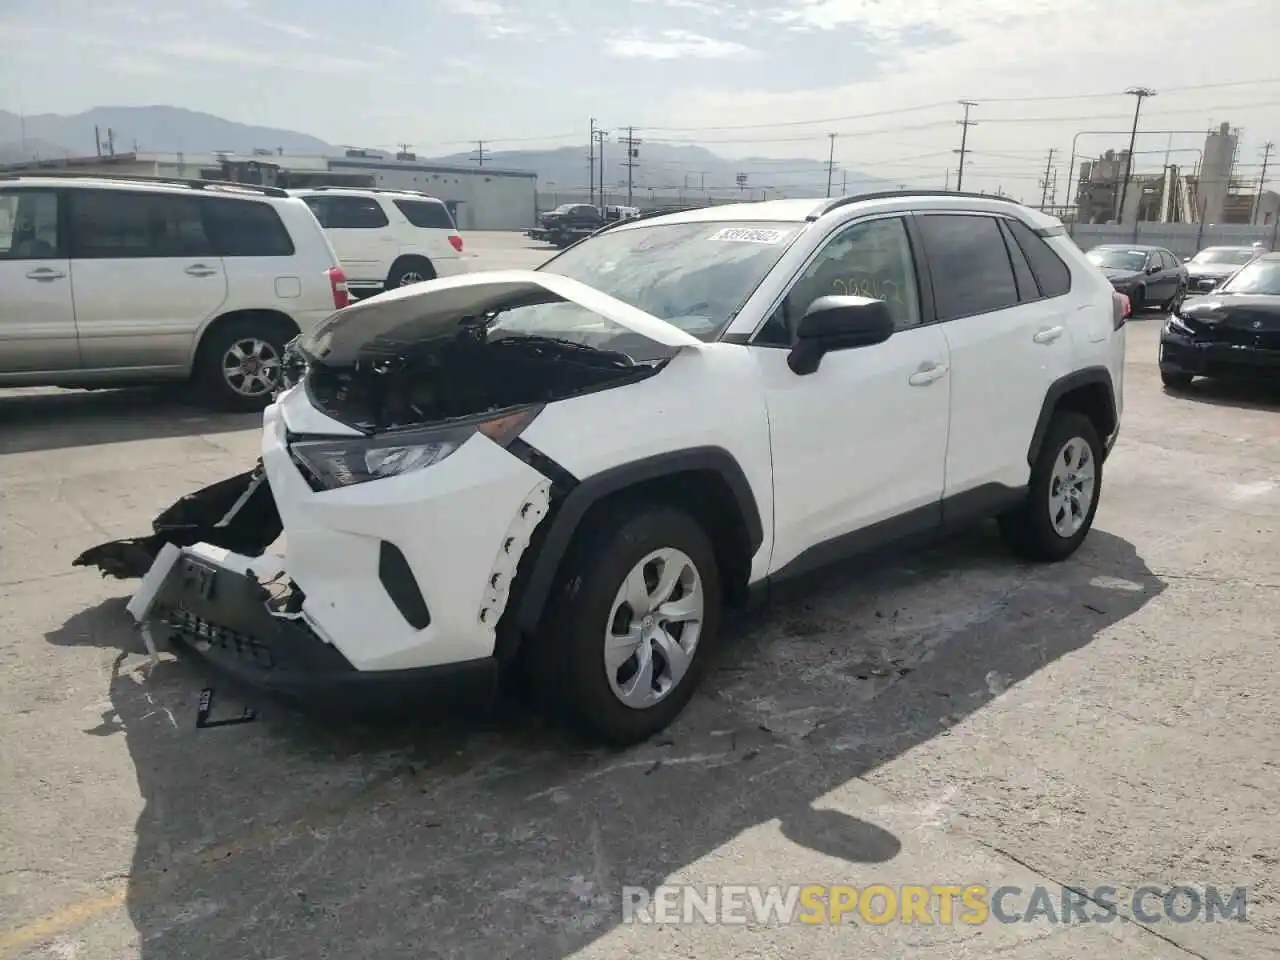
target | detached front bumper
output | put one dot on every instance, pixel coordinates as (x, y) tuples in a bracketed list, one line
[(216, 603)]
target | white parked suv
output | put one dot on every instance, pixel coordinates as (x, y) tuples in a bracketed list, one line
[(387, 238), (109, 281), (566, 473)]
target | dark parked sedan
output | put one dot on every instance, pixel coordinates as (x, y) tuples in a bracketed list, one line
[(1233, 332), (1148, 276), (1212, 265)]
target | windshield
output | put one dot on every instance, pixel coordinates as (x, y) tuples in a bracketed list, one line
[(1259, 277), (1224, 255), (695, 276), (1133, 260)]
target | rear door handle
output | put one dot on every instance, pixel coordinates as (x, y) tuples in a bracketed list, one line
[(200, 270), (45, 274), (927, 374), (1049, 335)]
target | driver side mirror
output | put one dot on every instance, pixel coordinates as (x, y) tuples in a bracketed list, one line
[(838, 323), (1186, 259)]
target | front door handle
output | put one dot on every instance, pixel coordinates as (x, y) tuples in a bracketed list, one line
[(1049, 335), (927, 374), (200, 270), (45, 274)]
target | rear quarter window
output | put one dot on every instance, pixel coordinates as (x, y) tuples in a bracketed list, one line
[(1052, 275), (246, 228), (426, 214)]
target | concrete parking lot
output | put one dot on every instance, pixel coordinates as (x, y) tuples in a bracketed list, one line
[(955, 718)]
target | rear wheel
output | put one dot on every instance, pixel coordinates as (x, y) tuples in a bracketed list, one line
[(627, 634), (239, 365), (409, 271), (1062, 497), (1138, 300)]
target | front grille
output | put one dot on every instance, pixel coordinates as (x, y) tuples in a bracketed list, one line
[(198, 631)]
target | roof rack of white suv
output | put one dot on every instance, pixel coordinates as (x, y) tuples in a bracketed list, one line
[(139, 178), (838, 202), (411, 193)]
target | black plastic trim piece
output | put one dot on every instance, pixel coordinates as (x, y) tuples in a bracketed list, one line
[(589, 491), (839, 202), (1088, 376), (561, 479), (396, 577)]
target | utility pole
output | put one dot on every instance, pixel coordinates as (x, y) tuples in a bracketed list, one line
[(600, 137), (97, 139), (1262, 180), (480, 153), (1140, 93), (633, 155), (844, 183), (965, 124), (111, 142), (1044, 184), (591, 161), (831, 161)]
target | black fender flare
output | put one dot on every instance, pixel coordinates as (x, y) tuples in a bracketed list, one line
[(1086, 376), (586, 493)]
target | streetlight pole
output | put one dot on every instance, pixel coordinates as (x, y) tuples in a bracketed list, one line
[(1140, 93)]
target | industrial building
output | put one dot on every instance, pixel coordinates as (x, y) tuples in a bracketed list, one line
[(481, 198), (1211, 192)]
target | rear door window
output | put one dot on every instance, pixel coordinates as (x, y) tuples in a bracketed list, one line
[(29, 225), (971, 270), (354, 213), (426, 214), (246, 228), (1028, 289), (122, 224), (1052, 275)]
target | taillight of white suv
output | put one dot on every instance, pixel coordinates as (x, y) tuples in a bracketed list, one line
[(338, 284), (455, 241)]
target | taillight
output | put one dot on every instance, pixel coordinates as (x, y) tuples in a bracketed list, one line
[(455, 241), (1122, 309), (338, 284)]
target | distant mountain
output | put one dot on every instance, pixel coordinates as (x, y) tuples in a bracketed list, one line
[(671, 168), (666, 168), (151, 128)]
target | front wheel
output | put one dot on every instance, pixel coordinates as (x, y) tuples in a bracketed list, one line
[(1175, 381), (627, 635), (1062, 496)]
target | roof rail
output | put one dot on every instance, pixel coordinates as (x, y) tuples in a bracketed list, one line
[(839, 202), (140, 178), (338, 186), (643, 216)]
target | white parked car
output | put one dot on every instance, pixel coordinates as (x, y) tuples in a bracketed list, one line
[(568, 472), (115, 281), (387, 238)]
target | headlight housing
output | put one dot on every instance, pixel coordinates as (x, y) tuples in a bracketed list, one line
[(1177, 325), (335, 463)]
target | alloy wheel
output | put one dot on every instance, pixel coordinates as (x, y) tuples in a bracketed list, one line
[(251, 367), (1071, 487), (653, 629)]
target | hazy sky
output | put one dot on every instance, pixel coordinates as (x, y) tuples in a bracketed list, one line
[(883, 74)]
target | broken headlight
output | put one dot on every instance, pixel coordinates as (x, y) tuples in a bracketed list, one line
[(330, 464)]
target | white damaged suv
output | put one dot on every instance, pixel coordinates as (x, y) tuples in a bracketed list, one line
[(563, 475)]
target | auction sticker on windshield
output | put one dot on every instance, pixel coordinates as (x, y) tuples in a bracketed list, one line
[(750, 235)]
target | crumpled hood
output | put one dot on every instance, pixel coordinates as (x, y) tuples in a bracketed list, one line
[(437, 305), (1238, 311)]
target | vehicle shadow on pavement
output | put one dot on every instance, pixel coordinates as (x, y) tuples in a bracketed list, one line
[(304, 836), (54, 420), (1229, 393)]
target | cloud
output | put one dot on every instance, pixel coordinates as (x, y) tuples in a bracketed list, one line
[(291, 29), (238, 54), (492, 17), (709, 8), (674, 45), (137, 68)]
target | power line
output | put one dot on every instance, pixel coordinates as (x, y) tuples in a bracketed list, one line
[(965, 124), (480, 153)]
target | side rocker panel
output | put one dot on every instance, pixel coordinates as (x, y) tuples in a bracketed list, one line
[(593, 489)]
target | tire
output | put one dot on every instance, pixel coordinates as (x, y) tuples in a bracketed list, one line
[(566, 662), (408, 271), (262, 340), (1030, 530), (1138, 300), (1175, 381)]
